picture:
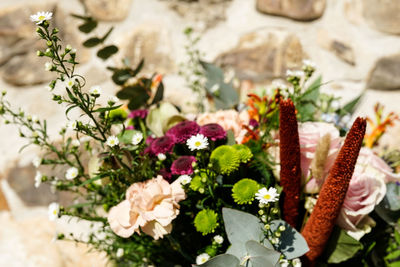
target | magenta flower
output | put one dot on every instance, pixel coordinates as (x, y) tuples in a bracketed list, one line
[(213, 131), (138, 113), (183, 165), (162, 145), (183, 131), (164, 172)]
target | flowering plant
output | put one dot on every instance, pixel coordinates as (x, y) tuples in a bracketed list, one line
[(270, 185)]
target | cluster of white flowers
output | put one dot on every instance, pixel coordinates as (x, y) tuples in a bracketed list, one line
[(197, 142), (285, 263), (137, 138), (112, 141), (265, 196), (295, 73), (184, 179)]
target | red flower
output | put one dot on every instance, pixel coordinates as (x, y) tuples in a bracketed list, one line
[(290, 161), (333, 192)]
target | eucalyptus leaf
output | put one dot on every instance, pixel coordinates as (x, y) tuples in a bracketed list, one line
[(91, 42), (260, 256), (341, 246), (241, 227), (292, 244), (227, 97), (387, 214), (120, 76), (107, 52), (392, 197), (159, 94), (223, 260), (214, 74)]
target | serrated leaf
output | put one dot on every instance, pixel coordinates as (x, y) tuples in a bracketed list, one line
[(341, 246), (88, 26), (292, 243), (107, 52), (223, 260), (260, 256), (241, 227), (91, 42)]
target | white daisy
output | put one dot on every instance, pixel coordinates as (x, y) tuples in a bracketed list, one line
[(53, 211), (112, 100), (41, 16), (95, 90), (71, 173), (202, 258), (197, 142), (48, 66), (75, 143), (184, 179), (120, 252), (38, 179), (36, 162), (218, 239), (161, 156), (265, 196), (69, 83), (137, 138), (112, 141)]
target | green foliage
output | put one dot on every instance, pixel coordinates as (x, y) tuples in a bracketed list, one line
[(341, 246), (106, 52)]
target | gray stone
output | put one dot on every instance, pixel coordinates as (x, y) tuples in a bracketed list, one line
[(340, 48), (108, 10), (152, 43), (385, 75), (19, 64), (264, 55), (383, 15), (294, 9)]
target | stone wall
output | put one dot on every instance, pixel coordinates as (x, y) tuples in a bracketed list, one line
[(354, 43)]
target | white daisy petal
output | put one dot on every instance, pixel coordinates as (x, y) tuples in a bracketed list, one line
[(112, 141), (265, 196), (202, 258), (137, 138), (41, 16), (71, 173), (197, 142), (53, 211)]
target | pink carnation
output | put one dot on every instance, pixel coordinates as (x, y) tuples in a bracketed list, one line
[(367, 188), (150, 206), (309, 134), (229, 120)]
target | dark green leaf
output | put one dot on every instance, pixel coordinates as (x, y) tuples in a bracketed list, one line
[(341, 246), (91, 180), (159, 94), (107, 52), (395, 255), (91, 42), (88, 26), (292, 244), (137, 95), (80, 17), (138, 68), (120, 76), (223, 260)]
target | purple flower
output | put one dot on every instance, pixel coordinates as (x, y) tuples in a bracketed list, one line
[(183, 165), (253, 123), (163, 145), (213, 131), (183, 131), (138, 113)]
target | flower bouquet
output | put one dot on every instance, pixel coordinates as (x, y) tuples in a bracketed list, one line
[(281, 180)]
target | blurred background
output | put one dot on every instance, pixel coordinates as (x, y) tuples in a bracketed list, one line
[(355, 45)]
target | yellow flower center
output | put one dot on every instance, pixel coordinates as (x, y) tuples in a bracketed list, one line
[(55, 212), (197, 143), (267, 197), (42, 17)]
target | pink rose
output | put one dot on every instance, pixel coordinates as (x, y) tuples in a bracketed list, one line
[(310, 134), (150, 205), (367, 188), (228, 120)]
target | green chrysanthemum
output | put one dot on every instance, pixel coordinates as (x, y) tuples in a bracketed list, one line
[(118, 114), (244, 152), (244, 191), (225, 159), (196, 183), (206, 221)]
